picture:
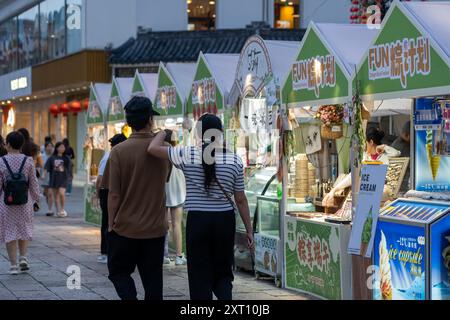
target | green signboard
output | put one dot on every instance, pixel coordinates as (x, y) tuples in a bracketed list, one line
[(94, 113), (115, 107), (313, 261), (168, 101), (403, 61), (92, 210), (316, 75), (205, 95)]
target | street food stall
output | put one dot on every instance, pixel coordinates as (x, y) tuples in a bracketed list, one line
[(94, 147), (145, 85), (173, 85), (120, 95), (316, 93), (255, 97), (410, 58), (213, 80)]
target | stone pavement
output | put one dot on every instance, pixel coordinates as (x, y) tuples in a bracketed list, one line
[(60, 243)]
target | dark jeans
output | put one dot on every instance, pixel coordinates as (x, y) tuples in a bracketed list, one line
[(124, 254), (103, 197), (210, 252)]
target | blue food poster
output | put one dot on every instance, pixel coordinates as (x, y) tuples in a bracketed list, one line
[(440, 259), (399, 259)]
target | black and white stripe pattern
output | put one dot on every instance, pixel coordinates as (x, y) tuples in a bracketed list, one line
[(229, 172)]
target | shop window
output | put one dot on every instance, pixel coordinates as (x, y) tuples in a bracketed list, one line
[(201, 14), (28, 50), (286, 14), (74, 25), (8, 46), (53, 32)]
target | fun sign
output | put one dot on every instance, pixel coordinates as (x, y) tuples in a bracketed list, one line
[(400, 59), (314, 73), (166, 98)]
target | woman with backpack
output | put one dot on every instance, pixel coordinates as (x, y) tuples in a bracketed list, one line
[(58, 165), (214, 189), (19, 191)]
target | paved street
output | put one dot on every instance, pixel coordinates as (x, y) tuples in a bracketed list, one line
[(60, 243)]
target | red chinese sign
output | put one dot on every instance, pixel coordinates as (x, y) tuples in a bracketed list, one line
[(313, 252)]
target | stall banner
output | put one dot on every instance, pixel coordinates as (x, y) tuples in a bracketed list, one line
[(253, 115), (94, 113), (401, 59), (168, 100), (253, 67), (399, 260), (313, 261), (205, 95), (367, 209), (138, 88), (92, 210), (440, 259), (115, 108), (315, 75), (266, 254)]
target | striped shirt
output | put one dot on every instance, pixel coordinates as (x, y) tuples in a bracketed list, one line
[(229, 172)]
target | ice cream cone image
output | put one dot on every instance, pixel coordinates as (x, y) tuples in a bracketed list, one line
[(366, 233), (385, 270), (433, 160)]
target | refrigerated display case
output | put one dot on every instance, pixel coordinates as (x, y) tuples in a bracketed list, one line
[(267, 240), (411, 251), (259, 182)]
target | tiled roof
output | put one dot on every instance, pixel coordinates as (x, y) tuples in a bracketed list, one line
[(185, 46)]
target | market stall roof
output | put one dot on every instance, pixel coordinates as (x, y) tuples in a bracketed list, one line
[(145, 84), (98, 103), (174, 83), (213, 79), (392, 107), (262, 64), (335, 49), (120, 95), (410, 55), (184, 46)]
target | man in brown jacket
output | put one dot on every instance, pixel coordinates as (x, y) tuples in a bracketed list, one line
[(136, 207)]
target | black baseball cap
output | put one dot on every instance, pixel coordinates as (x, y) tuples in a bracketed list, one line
[(116, 139), (140, 106)]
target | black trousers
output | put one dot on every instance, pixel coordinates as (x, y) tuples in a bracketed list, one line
[(103, 197), (210, 252), (124, 254)]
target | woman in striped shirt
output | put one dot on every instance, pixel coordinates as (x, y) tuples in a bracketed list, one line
[(213, 177)]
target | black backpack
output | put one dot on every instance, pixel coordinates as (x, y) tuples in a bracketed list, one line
[(16, 186)]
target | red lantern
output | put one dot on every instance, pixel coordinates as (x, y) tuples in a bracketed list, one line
[(64, 109), (54, 110), (75, 107), (85, 104)]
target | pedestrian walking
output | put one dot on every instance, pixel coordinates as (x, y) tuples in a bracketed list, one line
[(30, 149), (58, 165), (175, 197), (102, 193), (136, 207), (19, 192), (213, 177), (47, 139), (45, 179), (69, 153)]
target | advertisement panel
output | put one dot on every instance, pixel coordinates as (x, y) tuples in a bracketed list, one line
[(92, 212), (266, 254), (313, 261), (440, 259), (399, 260)]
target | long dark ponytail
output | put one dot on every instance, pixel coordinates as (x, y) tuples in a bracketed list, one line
[(210, 126)]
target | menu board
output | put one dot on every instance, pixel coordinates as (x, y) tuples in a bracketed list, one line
[(396, 173)]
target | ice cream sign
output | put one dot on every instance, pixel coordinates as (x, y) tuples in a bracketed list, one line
[(400, 60), (314, 74), (166, 98)]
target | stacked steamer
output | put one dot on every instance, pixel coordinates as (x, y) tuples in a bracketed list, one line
[(312, 180), (301, 183)]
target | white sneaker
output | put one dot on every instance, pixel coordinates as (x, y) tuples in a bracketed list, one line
[(166, 260), (179, 261), (23, 264), (102, 259), (62, 214), (14, 270)]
